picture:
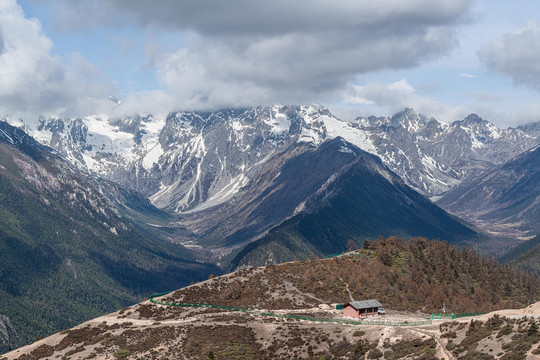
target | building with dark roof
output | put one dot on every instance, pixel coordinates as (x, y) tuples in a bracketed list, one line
[(362, 308)]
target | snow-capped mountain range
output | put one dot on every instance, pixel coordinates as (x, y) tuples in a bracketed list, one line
[(433, 157), (190, 161)]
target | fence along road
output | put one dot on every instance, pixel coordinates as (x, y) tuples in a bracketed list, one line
[(288, 316)]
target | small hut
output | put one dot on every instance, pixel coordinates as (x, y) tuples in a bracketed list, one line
[(362, 308)]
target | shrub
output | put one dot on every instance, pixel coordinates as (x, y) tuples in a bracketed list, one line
[(375, 354), (504, 331), (533, 329), (122, 353), (449, 335)]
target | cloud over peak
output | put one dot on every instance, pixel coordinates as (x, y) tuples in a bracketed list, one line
[(242, 52)]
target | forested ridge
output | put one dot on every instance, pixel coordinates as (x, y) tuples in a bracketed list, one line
[(418, 274), (526, 256)]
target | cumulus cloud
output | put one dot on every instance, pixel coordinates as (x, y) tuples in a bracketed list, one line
[(381, 99), (388, 94), (34, 81), (516, 54), (388, 98), (244, 52), (245, 17)]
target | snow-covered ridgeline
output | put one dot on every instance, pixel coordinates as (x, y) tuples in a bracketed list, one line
[(189, 161)]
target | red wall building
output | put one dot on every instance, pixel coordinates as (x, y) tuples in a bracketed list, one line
[(362, 308)]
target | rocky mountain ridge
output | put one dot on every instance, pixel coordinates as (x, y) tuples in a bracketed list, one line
[(190, 161), (352, 197), (433, 157)]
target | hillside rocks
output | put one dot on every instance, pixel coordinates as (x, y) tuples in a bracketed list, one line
[(8, 334)]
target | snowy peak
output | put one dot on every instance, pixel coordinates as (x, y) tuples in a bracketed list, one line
[(432, 156), (274, 123), (208, 157), (98, 144), (189, 160), (409, 120), (479, 131)]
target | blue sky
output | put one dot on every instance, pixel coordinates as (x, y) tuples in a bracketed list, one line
[(444, 58)]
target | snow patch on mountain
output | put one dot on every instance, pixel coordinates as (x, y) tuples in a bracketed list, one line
[(188, 161), (432, 156), (7, 137), (346, 130), (279, 123), (225, 194), (152, 157)]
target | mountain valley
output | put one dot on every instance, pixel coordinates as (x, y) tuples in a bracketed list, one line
[(296, 213), (69, 252), (505, 199), (118, 208)]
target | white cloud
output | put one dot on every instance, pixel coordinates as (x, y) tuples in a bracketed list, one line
[(34, 81), (516, 54), (157, 102), (378, 93), (527, 114), (242, 52), (381, 99), (388, 98), (467, 75)]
